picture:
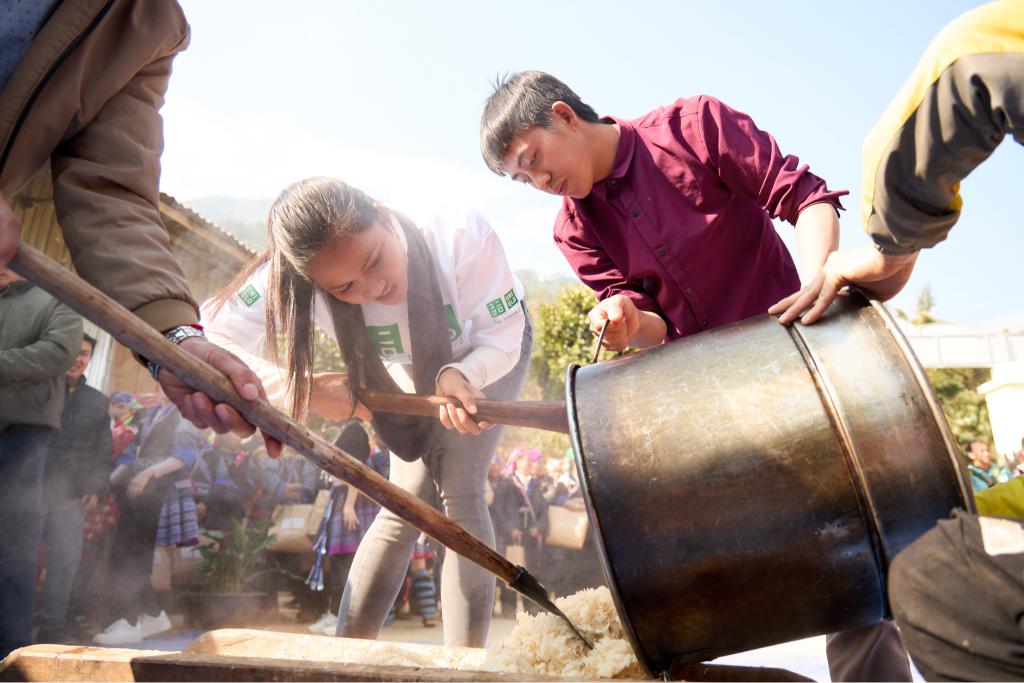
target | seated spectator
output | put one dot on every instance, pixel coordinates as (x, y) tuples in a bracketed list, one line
[(288, 479), (985, 472), (226, 481)]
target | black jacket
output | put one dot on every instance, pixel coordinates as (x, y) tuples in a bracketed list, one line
[(78, 459)]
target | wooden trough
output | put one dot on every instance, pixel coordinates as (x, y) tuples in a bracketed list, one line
[(249, 655)]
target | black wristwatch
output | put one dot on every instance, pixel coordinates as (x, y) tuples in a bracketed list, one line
[(177, 335)]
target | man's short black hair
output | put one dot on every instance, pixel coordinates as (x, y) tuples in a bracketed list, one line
[(91, 340), (520, 102)]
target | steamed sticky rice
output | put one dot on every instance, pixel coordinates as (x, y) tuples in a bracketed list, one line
[(544, 644)]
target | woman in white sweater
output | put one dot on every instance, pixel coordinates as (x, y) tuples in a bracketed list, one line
[(428, 308)]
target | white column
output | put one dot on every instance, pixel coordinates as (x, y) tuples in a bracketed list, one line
[(1004, 394), (99, 367)]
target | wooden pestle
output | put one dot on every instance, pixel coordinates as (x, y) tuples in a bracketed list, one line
[(82, 297), (549, 415)]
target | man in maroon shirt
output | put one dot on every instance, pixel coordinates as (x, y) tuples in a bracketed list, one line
[(668, 218)]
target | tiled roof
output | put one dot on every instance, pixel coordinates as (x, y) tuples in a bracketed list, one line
[(171, 207)]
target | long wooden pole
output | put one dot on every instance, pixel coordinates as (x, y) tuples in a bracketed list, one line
[(144, 340)]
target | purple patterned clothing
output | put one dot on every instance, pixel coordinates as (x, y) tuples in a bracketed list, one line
[(342, 540), (179, 522)]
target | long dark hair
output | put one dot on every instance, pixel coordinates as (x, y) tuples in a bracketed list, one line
[(306, 217)]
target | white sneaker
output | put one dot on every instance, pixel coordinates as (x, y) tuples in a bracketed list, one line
[(119, 633), (150, 626), (331, 627), (320, 624)]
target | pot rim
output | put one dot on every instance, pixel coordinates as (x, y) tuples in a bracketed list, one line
[(609, 574), (938, 416)]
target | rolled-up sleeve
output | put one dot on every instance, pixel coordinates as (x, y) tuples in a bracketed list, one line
[(748, 161), (934, 134)]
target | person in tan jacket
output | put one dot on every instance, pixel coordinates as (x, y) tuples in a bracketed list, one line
[(81, 85)]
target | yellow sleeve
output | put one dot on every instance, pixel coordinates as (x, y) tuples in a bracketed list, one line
[(1002, 500)]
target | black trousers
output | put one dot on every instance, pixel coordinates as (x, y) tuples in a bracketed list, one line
[(960, 609)]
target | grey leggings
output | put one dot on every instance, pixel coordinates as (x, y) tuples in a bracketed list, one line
[(456, 474)]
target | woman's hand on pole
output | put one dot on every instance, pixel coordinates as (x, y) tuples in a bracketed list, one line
[(459, 416)]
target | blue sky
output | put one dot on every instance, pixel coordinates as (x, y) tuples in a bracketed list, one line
[(388, 96)]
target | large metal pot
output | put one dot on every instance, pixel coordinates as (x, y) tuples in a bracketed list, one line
[(750, 485)]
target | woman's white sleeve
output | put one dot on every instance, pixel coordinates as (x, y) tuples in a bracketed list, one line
[(490, 295), (239, 327)]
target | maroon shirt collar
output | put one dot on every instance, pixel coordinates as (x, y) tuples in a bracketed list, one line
[(623, 157)]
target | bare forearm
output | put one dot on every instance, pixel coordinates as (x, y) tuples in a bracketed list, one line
[(351, 497), (166, 467), (651, 333), (817, 236)]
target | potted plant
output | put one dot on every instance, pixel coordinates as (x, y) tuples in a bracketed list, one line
[(230, 566)]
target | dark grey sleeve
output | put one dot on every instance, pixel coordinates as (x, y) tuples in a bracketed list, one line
[(102, 448), (963, 116), (50, 355)]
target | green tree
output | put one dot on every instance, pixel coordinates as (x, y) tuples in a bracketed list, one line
[(925, 304), (964, 407), (543, 289), (562, 336), (326, 353)]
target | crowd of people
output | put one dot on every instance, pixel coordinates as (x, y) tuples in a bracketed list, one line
[(127, 476)]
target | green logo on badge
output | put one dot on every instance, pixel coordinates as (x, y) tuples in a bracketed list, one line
[(249, 295), (386, 338), (453, 324), (510, 299), (496, 307)]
